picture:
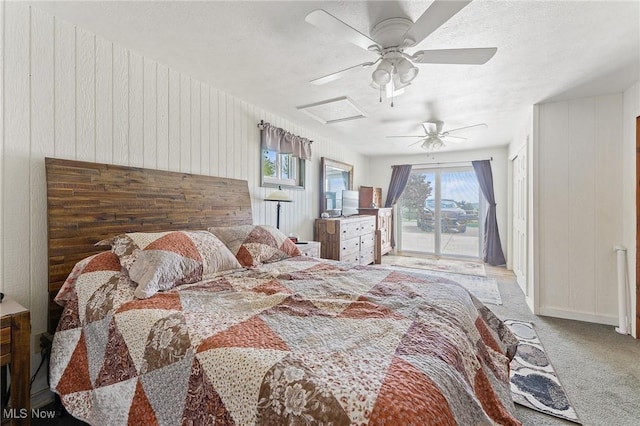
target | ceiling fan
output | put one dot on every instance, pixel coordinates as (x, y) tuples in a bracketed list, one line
[(434, 133), (389, 39)]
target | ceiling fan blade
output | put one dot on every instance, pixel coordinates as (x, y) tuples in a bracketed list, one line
[(336, 75), (333, 25), (467, 128), (415, 143), (447, 136), (472, 56), (406, 136), (437, 14)]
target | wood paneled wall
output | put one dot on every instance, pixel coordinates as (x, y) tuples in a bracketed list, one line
[(68, 93), (579, 179)]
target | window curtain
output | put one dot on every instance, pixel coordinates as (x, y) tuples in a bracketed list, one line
[(276, 139), (399, 179), (493, 254)]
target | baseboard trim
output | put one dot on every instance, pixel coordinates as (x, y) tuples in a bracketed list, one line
[(41, 398), (578, 316), (530, 304)]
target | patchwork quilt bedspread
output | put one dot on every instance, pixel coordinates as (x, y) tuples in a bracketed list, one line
[(299, 341)]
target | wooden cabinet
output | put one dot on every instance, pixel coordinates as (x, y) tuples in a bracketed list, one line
[(384, 225), (15, 335), (348, 239), (309, 248), (370, 197)]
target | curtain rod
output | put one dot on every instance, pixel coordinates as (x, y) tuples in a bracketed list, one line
[(261, 127), (442, 162)]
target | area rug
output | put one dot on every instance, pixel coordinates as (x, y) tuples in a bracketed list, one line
[(485, 289), (534, 383), (455, 266)]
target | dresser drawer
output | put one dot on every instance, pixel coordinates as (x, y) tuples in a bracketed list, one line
[(349, 246), (367, 241), (367, 255), (349, 230), (350, 257), (5, 345), (368, 225), (15, 351), (384, 238)]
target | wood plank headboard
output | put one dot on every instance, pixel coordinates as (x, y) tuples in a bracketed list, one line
[(88, 202)]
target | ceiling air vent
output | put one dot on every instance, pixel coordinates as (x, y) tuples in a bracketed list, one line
[(333, 110)]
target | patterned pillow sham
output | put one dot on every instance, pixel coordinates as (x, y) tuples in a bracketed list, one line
[(161, 260), (128, 246), (256, 244)]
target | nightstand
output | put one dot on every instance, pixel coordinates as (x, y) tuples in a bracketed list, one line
[(15, 344), (309, 248)]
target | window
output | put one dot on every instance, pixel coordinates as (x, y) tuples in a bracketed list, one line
[(281, 170), (451, 230)]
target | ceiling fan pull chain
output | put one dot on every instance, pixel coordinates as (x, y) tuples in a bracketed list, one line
[(393, 89), (380, 94)]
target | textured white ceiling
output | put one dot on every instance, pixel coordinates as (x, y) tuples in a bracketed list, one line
[(265, 53)]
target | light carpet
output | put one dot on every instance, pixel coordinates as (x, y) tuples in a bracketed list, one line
[(485, 289), (534, 383), (455, 266)]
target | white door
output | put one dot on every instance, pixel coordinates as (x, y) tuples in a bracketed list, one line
[(520, 218)]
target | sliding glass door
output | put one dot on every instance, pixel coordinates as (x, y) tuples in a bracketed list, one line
[(439, 213)]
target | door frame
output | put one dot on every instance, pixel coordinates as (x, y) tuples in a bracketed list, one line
[(637, 313)]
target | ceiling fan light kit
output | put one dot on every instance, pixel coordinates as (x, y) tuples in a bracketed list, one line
[(398, 83), (391, 67), (389, 39), (382, 74), (432, 143), (406, 70)]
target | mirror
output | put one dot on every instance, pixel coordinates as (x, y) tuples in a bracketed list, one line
[(335, 176)]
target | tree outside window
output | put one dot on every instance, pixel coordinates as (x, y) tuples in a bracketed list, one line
[(280, 169), (416, 191)]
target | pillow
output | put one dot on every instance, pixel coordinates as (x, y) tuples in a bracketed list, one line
[(127, 246), (256, 244), (161, 260)]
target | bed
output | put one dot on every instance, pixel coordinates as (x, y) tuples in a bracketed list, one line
[(275, 338)]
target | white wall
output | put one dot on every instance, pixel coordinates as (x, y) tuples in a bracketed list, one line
[(578, 206), (499, 167), (70, 94), (629, 184)]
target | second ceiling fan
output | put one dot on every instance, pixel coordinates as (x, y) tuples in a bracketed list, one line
[(389, 39), (432, 140)]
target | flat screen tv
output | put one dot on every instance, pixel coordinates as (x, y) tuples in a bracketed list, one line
[(350, 202)]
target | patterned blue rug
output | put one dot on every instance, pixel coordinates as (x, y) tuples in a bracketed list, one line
[(534, 383)]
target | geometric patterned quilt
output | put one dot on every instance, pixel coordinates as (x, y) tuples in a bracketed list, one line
[(299, 341)]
